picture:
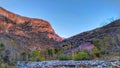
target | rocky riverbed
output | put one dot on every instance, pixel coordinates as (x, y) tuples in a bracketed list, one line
[(108, 63)]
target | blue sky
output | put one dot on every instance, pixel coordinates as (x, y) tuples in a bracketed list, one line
[(67, 17)]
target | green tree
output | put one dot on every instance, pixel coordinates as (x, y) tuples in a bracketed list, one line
[(73, 55), (96, 51), (2, 47), (1, 50), (24, 56), (51, 52), (34, 55)]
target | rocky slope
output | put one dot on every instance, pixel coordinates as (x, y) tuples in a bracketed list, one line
[(38, 31), (19, 33), (108, 35)]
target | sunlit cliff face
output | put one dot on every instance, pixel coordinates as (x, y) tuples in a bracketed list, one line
[(24, 26)]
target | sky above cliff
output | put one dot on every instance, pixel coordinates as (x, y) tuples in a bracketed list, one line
[(67, 17)]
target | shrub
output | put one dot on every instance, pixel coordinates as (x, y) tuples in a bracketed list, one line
[(82, 56), (24, 55), (96, 52), (64, 57), (35, 55), (73, 55), (51, 51), (96, 42)]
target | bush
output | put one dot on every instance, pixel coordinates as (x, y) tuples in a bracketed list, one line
[(82, 56), (96, 42), (73, 55), (96, 52), (35, 56), (51, 52), (64, 57)]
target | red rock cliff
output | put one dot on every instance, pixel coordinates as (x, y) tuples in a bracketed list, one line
[(38, 31)]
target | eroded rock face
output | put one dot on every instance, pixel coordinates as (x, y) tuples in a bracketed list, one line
[(20, 25), (36, 32), (19, 34)]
